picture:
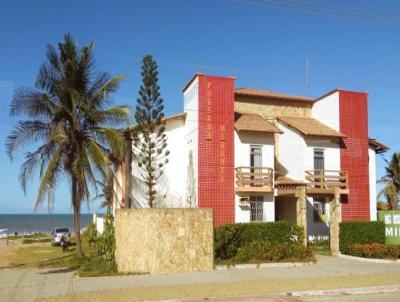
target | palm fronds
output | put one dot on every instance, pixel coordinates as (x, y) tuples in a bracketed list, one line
[(68, 116)]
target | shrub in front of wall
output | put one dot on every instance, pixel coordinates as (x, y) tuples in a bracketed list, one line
[(367, 250), (229, 238), (90, 234), (392, 251), (105, 245), (262, 251), (374, 250), (361, 232)]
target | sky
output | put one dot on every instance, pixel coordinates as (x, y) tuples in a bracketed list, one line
[(265, 44)]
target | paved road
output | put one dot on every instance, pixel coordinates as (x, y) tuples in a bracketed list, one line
[(386, 297), (330, 272)]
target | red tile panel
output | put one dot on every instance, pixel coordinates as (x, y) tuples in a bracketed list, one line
[(354, 153), (216, 147)]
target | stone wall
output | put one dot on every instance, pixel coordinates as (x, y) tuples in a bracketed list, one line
[(269, 107), (164, 240)]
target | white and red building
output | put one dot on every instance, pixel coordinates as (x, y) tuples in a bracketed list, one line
[(243, 152)]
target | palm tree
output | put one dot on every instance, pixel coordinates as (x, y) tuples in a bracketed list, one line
[(391, 190), (68, 118), (108, 193)]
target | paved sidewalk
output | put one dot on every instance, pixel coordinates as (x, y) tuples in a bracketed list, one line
[(329, 272)]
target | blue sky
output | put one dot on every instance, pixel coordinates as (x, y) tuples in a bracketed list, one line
[(263, 45)]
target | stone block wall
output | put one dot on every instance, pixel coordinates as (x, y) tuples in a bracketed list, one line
[(164, 240)]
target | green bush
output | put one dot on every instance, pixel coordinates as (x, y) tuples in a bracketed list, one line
[(374, 250), (96, 266), (90, 234), (229, 238), (262, 251), (351, 233), (105, 246)]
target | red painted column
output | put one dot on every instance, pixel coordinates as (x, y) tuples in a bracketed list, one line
[(216, 147), (353, 111)]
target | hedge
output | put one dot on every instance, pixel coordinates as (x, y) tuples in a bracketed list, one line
[(262, 251), (374, 250), (229, 238), (361, 232)]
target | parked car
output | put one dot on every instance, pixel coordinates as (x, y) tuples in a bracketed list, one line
[(58, 233)]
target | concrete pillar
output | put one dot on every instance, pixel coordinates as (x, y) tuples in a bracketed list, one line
[(334, 222), (301, 210), (277, 165)]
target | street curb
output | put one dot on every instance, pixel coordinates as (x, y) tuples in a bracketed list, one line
[(262, 265), (369, 260), (352, 291)]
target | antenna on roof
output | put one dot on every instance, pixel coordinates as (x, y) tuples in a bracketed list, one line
[(307, 76)]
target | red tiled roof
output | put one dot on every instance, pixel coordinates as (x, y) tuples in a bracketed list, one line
[(256, 123), (310, 127), (378, 146)]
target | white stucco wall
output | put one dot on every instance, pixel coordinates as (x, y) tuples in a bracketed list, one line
[(297, 153), (372, 184), (176, 169), (269, 207), (292, 152), (296, 157), (182, 137), (331, 153), (191, 132), (326, 110), (243, 142)]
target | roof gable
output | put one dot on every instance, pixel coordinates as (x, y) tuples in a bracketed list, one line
[(310, 127), (255, 123)]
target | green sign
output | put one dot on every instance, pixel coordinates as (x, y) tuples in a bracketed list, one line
[(392, 225)]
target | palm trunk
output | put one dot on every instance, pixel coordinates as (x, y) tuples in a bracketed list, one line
[(77, 209)]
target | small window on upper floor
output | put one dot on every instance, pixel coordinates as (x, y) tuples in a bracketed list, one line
[(319, 159)]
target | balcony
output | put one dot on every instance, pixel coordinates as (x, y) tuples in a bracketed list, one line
[(325, 181), (254, 180)]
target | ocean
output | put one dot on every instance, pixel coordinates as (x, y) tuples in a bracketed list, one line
[(44, 223)]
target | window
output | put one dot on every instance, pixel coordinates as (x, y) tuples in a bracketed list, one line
[(319, 161), (256, 208), (256, 156), (319, 210), (256, 164)]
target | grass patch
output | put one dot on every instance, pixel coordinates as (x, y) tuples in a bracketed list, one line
[(43, 255), (30, 236), (321, 249), (39, 253), (27, 240)]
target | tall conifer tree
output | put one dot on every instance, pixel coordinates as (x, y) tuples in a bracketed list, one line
[(150, 142)]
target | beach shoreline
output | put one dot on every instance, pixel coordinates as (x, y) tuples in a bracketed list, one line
[(28, 224)]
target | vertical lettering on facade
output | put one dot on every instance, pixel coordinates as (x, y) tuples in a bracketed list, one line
[(222, 154), (209, 119), (216, 174)]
